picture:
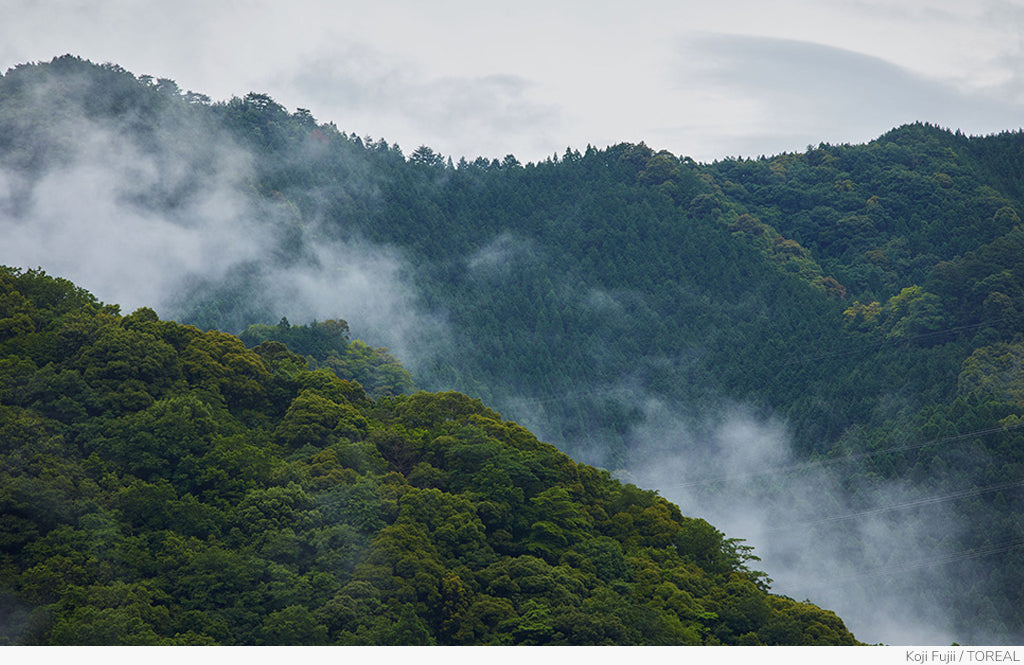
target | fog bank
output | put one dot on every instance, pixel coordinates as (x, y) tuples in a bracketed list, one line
[(169, 218), (879, 555)]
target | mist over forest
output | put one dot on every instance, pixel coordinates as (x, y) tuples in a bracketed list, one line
[(818, 353)]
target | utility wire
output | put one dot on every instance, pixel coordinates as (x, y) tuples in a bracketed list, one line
[(933, 562), (817, 464), (926, 501)]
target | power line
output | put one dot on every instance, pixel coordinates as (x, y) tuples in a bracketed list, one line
[(930, 500), (932, 562), (817, 464), (879, 343), (794, 359)]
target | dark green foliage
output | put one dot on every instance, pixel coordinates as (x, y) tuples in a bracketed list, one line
[(207, 514), (326, 344)]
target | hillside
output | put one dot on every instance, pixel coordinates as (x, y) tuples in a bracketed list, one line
[(164, 485), (819, 350)]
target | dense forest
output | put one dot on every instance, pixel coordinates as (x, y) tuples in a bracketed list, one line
[(870, 297), (165, 485)]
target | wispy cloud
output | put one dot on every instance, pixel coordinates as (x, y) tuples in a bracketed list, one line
[(788, 93), (462, 116), (880, 554)]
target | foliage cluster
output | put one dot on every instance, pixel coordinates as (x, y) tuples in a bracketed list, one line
[(326, 344)]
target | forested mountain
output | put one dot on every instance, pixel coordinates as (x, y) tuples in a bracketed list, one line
[(615, 301), (165, 485)]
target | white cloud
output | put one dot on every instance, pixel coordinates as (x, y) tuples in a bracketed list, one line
[(89, 218), (783, 94), (871, 553), (157, 221), (463, 116)]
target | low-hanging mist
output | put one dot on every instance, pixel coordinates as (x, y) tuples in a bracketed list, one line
[(882, 555), (171, 217)]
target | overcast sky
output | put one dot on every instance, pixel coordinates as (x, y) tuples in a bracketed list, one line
[(532, 77)]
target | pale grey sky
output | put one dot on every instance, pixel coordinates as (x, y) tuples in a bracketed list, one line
[(470, 77)]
